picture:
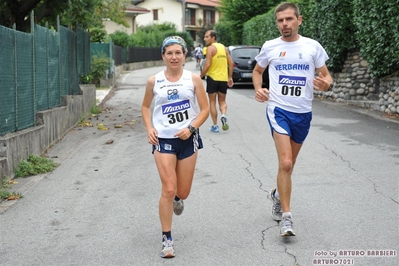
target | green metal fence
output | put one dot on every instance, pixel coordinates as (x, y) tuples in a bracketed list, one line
[(37, 69)]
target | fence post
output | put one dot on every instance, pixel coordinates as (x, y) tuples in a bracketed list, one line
[(33, 33), (59, 58), (15, 76)]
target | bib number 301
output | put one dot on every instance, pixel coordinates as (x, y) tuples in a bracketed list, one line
[(178, 117)]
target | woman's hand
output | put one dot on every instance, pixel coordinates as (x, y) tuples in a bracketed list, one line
[(183, 134), (152, 135)]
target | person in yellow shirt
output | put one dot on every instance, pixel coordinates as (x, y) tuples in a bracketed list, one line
[(203, 59), (218, 69)]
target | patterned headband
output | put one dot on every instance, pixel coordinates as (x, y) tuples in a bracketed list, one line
[(173, 40)]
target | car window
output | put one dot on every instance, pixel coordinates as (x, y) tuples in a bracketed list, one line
[(245, 53)]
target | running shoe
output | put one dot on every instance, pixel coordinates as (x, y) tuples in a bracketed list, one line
[(225, 126), (167, 248), (286, 226), (214, 129), (276, 206), (178, 206)]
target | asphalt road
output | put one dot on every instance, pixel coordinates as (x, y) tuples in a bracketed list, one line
[(100, 206)]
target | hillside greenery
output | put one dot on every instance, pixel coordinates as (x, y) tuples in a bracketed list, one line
[(149, 36)]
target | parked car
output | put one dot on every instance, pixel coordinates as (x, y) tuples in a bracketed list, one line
[(244, 62)]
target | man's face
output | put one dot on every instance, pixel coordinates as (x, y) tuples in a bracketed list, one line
[(288, 23), (208, 39)]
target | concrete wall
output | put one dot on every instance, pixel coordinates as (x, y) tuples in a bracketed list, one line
[(51, 126)]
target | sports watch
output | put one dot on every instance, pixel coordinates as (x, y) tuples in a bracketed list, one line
[(331, 87), (192, 129)]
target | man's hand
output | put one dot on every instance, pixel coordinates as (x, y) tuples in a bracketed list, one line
[(230, 83), (262, 95), (320, 83)]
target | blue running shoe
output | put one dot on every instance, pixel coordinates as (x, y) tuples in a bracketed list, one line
[(214, 129)]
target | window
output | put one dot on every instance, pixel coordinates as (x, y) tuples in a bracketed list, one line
[(155, 14), (209, 17), (190, 16)]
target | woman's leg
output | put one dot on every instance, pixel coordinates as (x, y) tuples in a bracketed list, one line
[(166, 164), (185, 174)]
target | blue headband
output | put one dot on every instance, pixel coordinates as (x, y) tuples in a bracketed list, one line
[(173, 40)]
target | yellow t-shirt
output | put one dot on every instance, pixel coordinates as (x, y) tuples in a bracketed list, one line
[(218, 70)]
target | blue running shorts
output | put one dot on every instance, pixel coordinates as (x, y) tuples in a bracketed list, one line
[(295, 125), (181, 148)]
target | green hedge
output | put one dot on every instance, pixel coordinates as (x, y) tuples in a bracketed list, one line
[(377, 32), (341, 26)]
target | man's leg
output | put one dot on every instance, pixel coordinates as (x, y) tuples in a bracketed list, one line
[(287, 152), (222, 93), (212, 107), (222, 103)]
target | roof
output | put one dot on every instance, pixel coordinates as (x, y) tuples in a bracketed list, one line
[(136, 9), (213, 3)]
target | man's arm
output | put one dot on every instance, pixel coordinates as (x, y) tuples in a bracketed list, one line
[(257, 77), (261, 94), (230, 69)]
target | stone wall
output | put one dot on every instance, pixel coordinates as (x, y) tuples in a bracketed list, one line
[(355, 84)]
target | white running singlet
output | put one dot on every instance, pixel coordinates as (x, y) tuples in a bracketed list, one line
[(174, 104), (291, 71)]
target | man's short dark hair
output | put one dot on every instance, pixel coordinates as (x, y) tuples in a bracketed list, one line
[(212, 33), (286, 5)]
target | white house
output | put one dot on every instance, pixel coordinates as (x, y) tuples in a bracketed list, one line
[(187, 15)]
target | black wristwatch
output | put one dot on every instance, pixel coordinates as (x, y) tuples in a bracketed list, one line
[(192, 129), (331, 87)]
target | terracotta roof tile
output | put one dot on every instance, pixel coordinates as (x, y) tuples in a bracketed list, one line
[(213, 3)]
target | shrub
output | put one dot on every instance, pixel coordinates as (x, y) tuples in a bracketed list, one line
[(34, 165)]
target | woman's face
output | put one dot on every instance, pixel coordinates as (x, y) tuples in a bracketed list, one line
[(174, 56)]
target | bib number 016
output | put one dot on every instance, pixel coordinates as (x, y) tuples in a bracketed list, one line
[(291, 91)]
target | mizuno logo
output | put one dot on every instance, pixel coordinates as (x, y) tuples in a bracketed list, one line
[(290, 80), (174, 107)]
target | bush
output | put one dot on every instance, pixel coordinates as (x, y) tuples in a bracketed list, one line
[(378, 34), (99, 64), (342, 26), (98, 35), (120, 38)]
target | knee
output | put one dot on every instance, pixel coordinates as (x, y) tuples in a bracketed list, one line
[(183, 196), (286, 165), (169, 192)]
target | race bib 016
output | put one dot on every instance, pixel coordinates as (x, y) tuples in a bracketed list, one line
[(291, 86)]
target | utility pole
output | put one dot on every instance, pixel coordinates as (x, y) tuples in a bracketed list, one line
[(183, 2)]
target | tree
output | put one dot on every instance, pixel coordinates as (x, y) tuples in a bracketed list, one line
[(238, 12), (86, 14)]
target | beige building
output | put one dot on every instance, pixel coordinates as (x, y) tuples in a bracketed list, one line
[(131, 12), (187, 15)]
